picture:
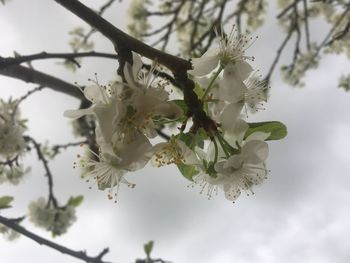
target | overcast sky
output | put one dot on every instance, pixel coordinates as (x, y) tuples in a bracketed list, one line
[(300, 214)]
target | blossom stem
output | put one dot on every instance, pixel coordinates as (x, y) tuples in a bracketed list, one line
[(216, 150), (222, 143), (212, 82)]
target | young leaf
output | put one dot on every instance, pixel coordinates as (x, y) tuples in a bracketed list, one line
[(188, 171), (75, 201), (5, 202), (276, 129), (191, 140), (181, 104), (187, 138), (199, 90), (148, 248)]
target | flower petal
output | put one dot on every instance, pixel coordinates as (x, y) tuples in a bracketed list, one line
[(232, 192), (233, 88), (136, 64), (95, 94), (261, 136), (105, 115), (205, 64), (243, 69), (136, 154), (76, 114), (255, 152), (229, 115)]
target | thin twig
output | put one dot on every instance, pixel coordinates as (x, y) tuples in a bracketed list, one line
[(42, 241), (42, 79), (92, 30), (306, 23), (289, 7), (124, 44), (45, 162), (24, 97), (163, 134), (5, 62), (278, 55), (56, 148)]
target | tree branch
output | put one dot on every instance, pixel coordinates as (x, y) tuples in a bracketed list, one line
[(278, 55), (45, 80), (42, 241), (49, 176), (58, 147), (124, 43), (5, 62)]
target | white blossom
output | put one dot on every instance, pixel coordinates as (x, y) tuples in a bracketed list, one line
[(11, 130), (8, 233), (239, 172), (12, 174), (229, 51), (57, 220), (174, 151)]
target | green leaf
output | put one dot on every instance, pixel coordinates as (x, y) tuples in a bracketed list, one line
[(192, 140), (181, 104), (5, 202), (148, 248), (276, 129), (199, 90), (187, 138), (188, 171), (75, 201)]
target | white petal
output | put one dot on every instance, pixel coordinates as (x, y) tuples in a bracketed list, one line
[(76, 114), (234, 161), (136, 154), (136, 65), (105, 115), (255, 152), (95, 94), (236, 134), (205, 64), (230, 115), (128, 74), (261, 136), (211, 52), (233, 88), (243, 69), (232, 192)]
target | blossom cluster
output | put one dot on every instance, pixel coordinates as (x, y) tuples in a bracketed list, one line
[(8, 233), (235, 159), (126, 117), (129, 114), (55, 219), (12, 143)]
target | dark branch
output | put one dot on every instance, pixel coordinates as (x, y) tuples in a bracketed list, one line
[(49, 176), (124, 43), (163, 135), (278, 55), (56, 149), (25, 96), (42, 79), (42, 241), (92, 30), (287, 9), (5, 62)]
